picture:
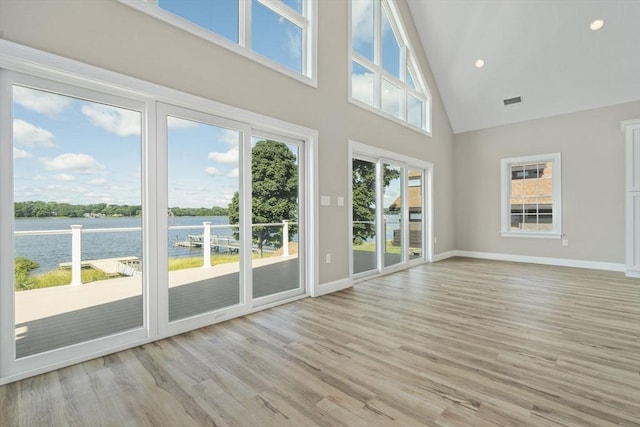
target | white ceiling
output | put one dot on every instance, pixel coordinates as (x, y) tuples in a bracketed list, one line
[(541, 50)]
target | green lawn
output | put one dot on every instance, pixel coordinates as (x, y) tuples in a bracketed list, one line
[(371, 247)]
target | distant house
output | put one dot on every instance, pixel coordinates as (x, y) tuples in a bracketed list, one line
[(531, 196), (415, 201)]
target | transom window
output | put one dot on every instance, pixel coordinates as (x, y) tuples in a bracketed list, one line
[(277, 33), (384, 74), (531, 196)]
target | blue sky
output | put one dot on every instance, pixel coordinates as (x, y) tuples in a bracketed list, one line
[(82, 152), (75, 151)]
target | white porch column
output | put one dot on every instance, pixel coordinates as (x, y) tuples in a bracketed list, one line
[(76, 255), (206, 245), (285, 237)]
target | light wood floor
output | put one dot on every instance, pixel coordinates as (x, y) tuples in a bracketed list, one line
[(456, 343)]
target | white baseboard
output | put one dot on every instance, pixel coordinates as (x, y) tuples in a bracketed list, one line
[(336, 285), (444, 255), (562, 262), (632, 273)]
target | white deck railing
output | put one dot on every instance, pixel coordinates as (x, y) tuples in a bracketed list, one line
[(76, 232)]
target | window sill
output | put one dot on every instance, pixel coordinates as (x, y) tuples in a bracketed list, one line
[(533, 235)]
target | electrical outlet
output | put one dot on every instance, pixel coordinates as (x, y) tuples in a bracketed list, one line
[(565, 242), (328, 258)]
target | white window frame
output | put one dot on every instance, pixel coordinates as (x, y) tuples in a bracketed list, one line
[(307, 21), (83, 78), (505, 195), (408, 60)]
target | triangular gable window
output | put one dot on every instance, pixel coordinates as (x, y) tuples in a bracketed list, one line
[(384, 72)]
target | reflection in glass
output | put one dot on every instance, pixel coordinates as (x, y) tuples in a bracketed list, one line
[(204, 250), (78, 216)]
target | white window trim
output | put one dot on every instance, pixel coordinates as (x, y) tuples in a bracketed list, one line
[(505, 196), (243, 47), (409, 62), (64, 71)]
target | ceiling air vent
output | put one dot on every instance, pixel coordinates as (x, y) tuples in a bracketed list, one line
[(509, 101)]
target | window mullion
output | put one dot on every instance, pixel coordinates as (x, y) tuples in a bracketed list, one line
[(244, 23)]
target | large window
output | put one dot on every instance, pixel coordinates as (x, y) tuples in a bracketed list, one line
[(278, 33), (531, 196), (124, 219), (384, 73)]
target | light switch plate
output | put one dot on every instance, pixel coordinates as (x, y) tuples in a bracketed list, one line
[(325, 200), (340, 201)]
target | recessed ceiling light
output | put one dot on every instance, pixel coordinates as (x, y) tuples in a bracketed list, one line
[(479, 63), (596, 25)]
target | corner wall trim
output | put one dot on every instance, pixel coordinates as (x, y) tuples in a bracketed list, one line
[(562, 262), (337, 285)]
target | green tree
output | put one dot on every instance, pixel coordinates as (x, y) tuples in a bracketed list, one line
[(364, 198), (22, 268), (274, 192)]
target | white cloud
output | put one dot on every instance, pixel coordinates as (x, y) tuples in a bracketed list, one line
[(230, 137), (294, 44), (230, 156), (213, 171), (117, 120), (98, 181), (362, 19), (24, 133), (39, 178), (234, 172), (21, 154), (362, 87), (177, 123), (40, 101), (64, 177), (73, 162)]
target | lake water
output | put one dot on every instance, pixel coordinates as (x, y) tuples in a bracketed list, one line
[(50, 251)]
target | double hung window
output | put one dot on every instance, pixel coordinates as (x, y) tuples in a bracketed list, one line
[(531, 192)]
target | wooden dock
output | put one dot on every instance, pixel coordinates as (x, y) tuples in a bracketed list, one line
[(111, 267)]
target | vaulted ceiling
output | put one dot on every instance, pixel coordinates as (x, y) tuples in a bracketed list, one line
[(540, 50)]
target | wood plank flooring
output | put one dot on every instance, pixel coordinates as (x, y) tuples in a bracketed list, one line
[(460, 342)]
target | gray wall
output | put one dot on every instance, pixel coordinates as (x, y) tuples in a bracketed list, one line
[(592, 147), (113, 36)]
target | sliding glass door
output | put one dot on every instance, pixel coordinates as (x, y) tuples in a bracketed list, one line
[(78, 252), (388, 212), (204, 249)]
